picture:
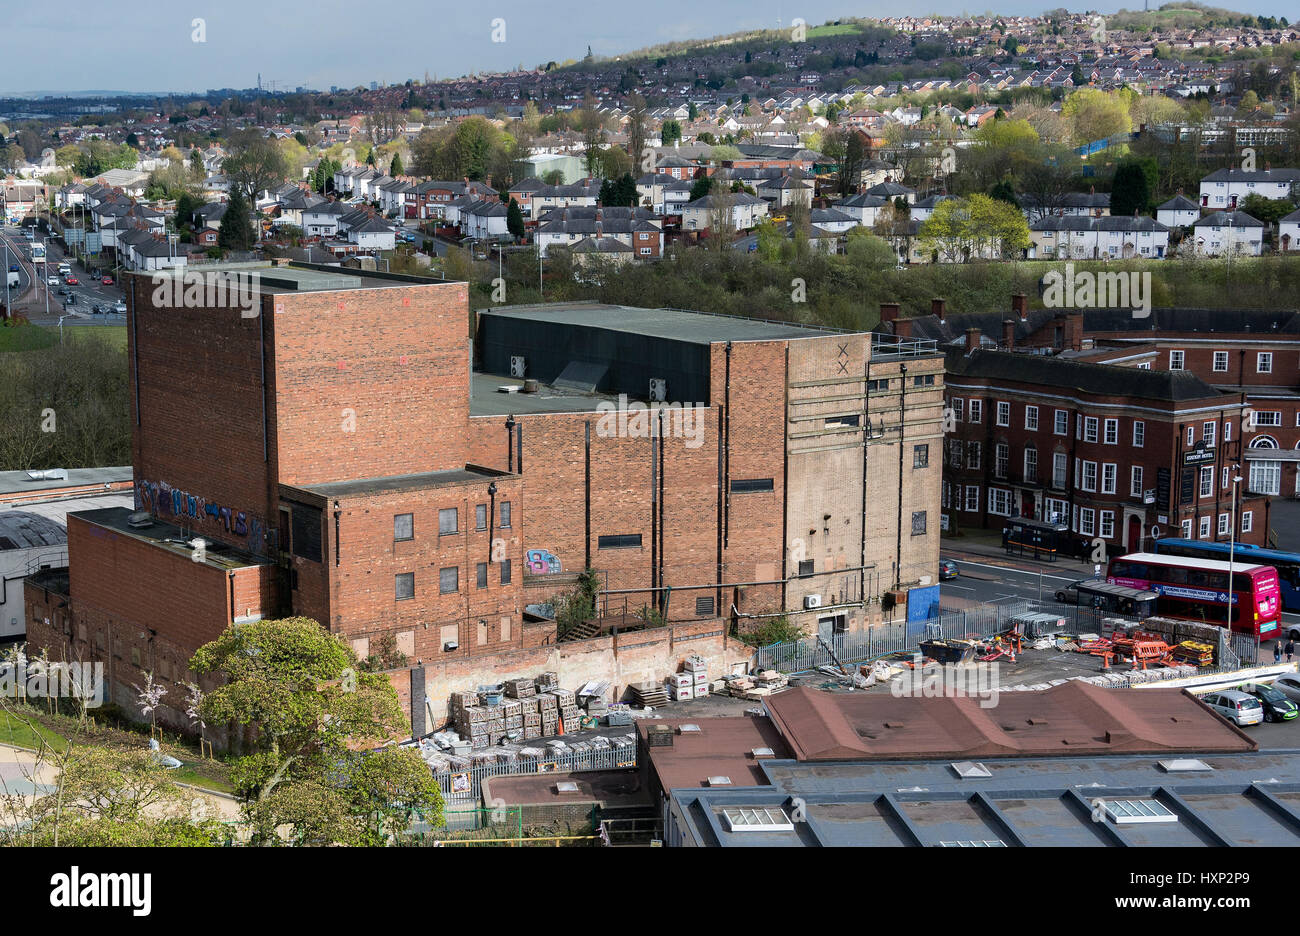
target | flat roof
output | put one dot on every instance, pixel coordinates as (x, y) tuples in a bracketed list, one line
[(723, 747), (486, 398), (405, 482), (170, 537), (269, 278), (673, 324), (20, 482)]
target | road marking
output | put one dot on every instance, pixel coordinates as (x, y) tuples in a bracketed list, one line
[(983, 565), (959, 587)]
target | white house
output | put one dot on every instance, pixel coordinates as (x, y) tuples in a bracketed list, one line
[(484, 220), (322, 220), (372, 234), (1179, 211), (1288, 232), (1224, 188), (1070, 237), (1226, 232), (746, 211), (832, 220), (863, 208)]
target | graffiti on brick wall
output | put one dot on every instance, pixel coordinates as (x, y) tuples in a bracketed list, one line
[(542, 562), (160, 498)]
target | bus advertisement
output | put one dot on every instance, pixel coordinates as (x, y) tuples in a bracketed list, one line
[(1197, 590), (1286, 563)]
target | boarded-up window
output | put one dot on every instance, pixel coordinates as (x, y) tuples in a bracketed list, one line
[(406, 643), (449, 633), (482, 633), (505, 628), (361, 647), (306, 532)]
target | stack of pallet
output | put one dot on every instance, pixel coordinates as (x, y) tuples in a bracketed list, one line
[(568, 707), (513, 711), (548, 707), (648, 694), (546, 681), (520, 688), (530, 712), (1195, 653)]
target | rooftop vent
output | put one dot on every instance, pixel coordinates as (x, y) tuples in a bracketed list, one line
[(566, 786), (763, 752), (688, 729), (139, 519), (1183, 765), (719, 781), (969, 770), (1128, 812), (985, 843), (48, 474)]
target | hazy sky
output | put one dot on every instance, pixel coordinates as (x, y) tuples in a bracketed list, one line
[(147, 45)]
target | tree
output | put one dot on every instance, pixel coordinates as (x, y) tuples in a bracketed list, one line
[(670, 132), (236, 230), (637, 131), (701, 187), (255, 164), (316, 768), (1096, 115), (514, 218), (395, 167), (1130, 192), (853, 157)]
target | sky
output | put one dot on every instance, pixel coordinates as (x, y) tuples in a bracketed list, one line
[(149, 45)]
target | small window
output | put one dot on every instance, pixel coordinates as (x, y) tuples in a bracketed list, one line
[(1264, 362), (843, 422), (1175, 360), (505, 515), (751, 485), (449, 580), (480, 517), (924, 380), (1221, 362), (918, 522), (404, 527), (920, 456), (1004, 414), (505, 571), (480, 575), (620, 541), (404, 585), (448, 520)]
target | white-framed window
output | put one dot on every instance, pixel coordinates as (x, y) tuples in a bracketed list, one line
[(1207, 481), (1135, 481), (1109, 471), (1191, 435), (1087, 521), (999, 502), (1058, 511), (1208, 433), (1175, 360), (1090, 428), (1061, 426), (1266, 477), (1268, 418), (1001, 459), (1031, 418), (1203, 530), (976, 411), (972, 498), (1247, 521), (1187, 528), (1223, 524), (1031, 465), (1004, 413), (1227, 428), (1225, 478), (1089, 481), (1220, 362), (1139, 433), (1145, 365), (1264, 362), (956, 453), (1111, 436), (958, 409), (1060, 465), (973, 450), (1107, 524)]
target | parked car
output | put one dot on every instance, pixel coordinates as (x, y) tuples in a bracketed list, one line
[(1289, 685), (96, 309), (119, 307), (947, 570), (1236, 706), (1277, 707)]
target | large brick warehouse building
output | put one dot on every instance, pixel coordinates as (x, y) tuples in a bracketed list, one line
[(343, 456)]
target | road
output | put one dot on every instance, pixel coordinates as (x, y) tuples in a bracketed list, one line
[(87, 294)]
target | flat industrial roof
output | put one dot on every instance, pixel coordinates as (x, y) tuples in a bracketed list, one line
[(294, 277), (673, 324), (723, 747), (405, 482), (20, 482), (170, 537), (487, 399)]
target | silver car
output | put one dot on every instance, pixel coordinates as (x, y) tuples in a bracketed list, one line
[(1289, 685), (1236, 706)]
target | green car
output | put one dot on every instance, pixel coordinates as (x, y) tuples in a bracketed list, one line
[(1277, 707)]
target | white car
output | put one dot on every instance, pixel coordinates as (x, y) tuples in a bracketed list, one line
[(1236, 706), (1289, 685), (53, 280), (119, 307)]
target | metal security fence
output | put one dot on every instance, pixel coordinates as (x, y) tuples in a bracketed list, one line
[(802, 656), (463, 785)]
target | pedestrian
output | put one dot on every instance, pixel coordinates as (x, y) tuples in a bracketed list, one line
[(1277, 651), (1290, 648)]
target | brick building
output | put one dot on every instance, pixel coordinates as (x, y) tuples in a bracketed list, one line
[(327, 440), (1111, 424)]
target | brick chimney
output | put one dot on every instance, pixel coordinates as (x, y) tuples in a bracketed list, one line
[(888, 311), (1009, 334), (938, 308), (1074, 331), (972, 339), (902, 328), (1020, 306)]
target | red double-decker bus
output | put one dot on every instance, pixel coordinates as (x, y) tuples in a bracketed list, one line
[(1197, 589)]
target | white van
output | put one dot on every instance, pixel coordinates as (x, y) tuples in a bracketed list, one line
[(1236, 706), (65, 268)]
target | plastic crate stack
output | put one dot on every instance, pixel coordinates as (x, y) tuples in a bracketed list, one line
[(698, 669)]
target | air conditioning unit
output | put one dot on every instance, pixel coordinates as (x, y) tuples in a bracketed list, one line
[(518, 364), (658, 390), (812, 601)]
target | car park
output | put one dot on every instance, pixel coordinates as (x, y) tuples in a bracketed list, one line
[(119, 307), (1289, 685), (1277, 707), (947, 570), (1236, 706)]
